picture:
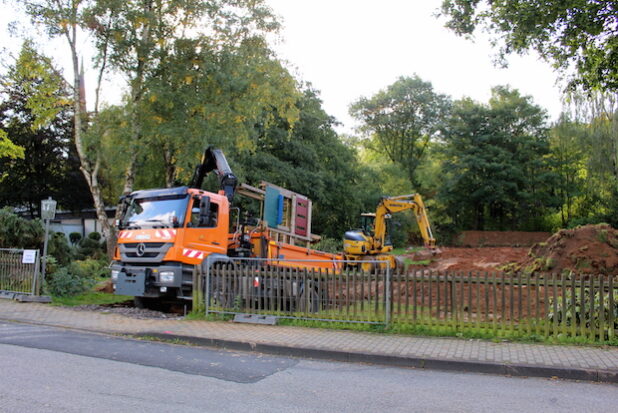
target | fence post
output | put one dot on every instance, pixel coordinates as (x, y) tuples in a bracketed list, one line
[(35, 288), (207, 292), (387, 291)]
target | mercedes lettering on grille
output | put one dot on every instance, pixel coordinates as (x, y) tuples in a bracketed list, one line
[(140, 250)]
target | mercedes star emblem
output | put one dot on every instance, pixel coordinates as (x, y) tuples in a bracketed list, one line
[(141, 249)]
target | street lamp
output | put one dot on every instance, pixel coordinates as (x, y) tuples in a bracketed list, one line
[(48, 212)]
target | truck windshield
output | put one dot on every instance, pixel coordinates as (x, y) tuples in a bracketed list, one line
[(168, 211)]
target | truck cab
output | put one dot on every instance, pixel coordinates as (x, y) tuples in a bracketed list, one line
[(163, 234)]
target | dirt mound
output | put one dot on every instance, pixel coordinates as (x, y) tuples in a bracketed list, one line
[(590, 249)]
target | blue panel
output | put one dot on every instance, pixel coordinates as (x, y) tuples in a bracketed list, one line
[(280, 210), (271, 206)]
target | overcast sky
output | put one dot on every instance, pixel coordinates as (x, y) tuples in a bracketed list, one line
[(353, 48)]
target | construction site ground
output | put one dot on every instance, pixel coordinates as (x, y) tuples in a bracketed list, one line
[(589, 249), (454, 259)]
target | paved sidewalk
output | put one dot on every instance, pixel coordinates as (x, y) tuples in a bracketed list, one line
[(571, 362)]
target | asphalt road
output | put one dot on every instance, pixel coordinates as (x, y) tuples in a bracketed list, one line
[(45, 369)]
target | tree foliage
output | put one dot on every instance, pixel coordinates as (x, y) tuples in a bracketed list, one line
[(569, 158), (309, 159), (574, 33), (9, 150), (159, 44), (496, 170), (206, 95), (593, 129), (401, 120), (49, 167), (17, 232)]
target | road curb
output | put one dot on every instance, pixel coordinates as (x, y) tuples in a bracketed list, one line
[(517, 370)]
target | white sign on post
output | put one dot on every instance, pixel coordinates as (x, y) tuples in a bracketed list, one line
[(29, 257)]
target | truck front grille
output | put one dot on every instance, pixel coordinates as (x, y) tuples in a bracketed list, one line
[(150, 253)]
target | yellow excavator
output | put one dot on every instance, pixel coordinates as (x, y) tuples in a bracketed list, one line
[(369, 247)]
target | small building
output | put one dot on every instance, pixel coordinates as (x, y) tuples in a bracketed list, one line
[(83, 222)]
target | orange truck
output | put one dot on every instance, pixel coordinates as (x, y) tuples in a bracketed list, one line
[(164, 233)]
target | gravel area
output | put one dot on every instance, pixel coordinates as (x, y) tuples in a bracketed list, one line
[(127, 310)]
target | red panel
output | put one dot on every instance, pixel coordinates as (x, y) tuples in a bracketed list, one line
[(301, 218)]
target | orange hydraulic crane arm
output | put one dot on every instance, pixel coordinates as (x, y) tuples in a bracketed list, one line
[(390, 205)]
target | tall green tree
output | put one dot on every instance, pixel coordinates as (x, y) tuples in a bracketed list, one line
[(206, 95), (309, 159), (64, 19), (599, 112), (577, 34), (400, 121), (47, 169), (138, 38), (569, 157), (496, 163)]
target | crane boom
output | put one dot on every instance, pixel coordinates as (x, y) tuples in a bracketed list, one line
[(214, 160)]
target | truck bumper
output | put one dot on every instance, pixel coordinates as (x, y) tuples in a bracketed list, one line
[(144, 281)]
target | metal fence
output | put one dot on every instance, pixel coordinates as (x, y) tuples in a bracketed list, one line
[(545, 305), (19, 271)]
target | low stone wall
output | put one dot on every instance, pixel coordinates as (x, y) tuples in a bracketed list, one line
[(499, 238)]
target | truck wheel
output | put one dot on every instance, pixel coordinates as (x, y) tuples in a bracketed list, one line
[(142, 302)]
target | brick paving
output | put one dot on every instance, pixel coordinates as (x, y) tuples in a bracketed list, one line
[(445, 349)]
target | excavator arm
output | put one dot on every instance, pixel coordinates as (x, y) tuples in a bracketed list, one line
[(400, 203), (214, 160)]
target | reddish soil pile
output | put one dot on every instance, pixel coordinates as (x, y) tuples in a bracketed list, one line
[(586, 250), (469, 259)]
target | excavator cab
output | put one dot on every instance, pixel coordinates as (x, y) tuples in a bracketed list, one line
[(367, 221)]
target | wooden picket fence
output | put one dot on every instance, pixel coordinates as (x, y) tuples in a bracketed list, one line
[(533, 304)]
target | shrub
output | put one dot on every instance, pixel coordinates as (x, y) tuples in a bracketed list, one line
[(59, 248), (64, 283), (90, 247), (75, 237), (89, 268), (573, 313), (95, 236), (17, 232), (51, 265), (331, 245)]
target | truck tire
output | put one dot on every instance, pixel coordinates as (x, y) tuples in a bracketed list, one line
[(142, 303)]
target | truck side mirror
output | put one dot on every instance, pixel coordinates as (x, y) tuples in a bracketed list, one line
[(204, 211)]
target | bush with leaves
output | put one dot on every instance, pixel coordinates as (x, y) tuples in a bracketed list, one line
[(59, 248), (91, 247), (17, 232), (64, 283), (573, 314), (76, 277), (75, 237), (90, 268), (331, 245)]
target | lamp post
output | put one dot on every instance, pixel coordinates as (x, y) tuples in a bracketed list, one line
[(48, 212)]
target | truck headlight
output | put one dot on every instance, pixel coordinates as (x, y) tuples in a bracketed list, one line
[(166, 276), (115, 275)]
